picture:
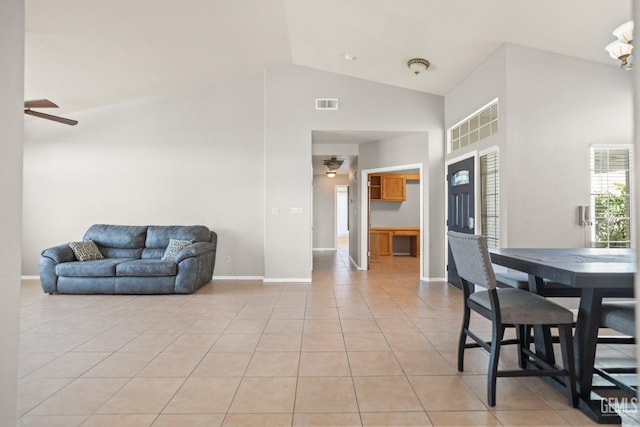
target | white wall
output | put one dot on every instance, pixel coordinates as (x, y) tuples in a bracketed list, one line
[(486, 83), (354, 210), (191, 158), (426, 148), (222, 156), (558, 107), (324, 210), (551, 109), (290, 119), (11, 122), (398, 214)]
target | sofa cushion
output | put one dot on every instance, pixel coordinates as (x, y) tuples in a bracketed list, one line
[(121, 253), (117, 236), (83, 285), (145, 285), (175, 246), (96, 268), (146, 267), (85, 251), (153, 253), (158, 235)]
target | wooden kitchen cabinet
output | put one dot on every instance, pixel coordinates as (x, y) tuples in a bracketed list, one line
[(375, 187), (390, 187), (394, 187), (381, 243), (381, 240)]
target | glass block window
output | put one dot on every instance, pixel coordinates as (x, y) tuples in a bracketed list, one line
[(474, 128), (611, 197), (490, 197)]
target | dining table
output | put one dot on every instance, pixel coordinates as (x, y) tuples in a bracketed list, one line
[(596, 274)]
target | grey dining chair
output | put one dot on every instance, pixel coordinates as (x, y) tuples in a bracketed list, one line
[(619, 316), (507, 307), (521, 281)]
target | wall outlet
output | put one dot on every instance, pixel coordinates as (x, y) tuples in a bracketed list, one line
[(227, 258)]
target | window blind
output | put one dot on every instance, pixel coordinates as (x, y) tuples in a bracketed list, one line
[(611, 197), (490, 198)]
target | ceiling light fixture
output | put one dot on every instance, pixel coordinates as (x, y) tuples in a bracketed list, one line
[(622, 47), (333, 164), (418, 65)]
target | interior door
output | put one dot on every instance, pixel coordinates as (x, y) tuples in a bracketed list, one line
[(461, 209)]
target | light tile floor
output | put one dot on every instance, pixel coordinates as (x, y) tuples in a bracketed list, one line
[(353, 348)]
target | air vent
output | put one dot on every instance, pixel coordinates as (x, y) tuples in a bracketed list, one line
[(326, 104)]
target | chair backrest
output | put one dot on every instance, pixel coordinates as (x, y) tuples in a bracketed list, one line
[(472, 259)]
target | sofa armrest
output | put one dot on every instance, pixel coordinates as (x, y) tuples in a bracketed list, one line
[(195, 266), (60, 253), (194, 250), (48, 261)]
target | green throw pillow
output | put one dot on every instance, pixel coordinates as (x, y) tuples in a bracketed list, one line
[(86, 251), (171, 253)]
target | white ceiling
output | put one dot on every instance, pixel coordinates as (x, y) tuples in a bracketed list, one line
[(353, 136), (88, 53)]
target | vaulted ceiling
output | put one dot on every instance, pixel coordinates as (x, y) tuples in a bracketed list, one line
[(89, 53)]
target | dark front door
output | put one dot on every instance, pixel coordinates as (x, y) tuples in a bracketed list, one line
[(460, 193)]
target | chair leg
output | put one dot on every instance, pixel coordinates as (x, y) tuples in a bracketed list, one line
[(521, 331), (463, 337), (496, 338), (566, 346)]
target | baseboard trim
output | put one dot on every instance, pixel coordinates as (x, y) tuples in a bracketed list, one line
[(287, 280), (434, 279), (30, 277), (324, 249), (238, 278), (355, 264)]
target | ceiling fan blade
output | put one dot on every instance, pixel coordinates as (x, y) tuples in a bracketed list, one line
[(50, 117), (39, 103)]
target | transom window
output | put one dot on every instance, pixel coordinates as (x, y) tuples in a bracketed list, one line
[(479, 125)]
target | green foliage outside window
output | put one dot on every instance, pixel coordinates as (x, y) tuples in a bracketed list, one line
[(612, 218)]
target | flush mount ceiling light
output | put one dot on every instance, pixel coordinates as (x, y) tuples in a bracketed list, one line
[(622, 47), (418, 65), (333, 164)]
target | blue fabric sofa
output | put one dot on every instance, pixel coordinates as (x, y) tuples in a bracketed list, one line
[(132, 262)]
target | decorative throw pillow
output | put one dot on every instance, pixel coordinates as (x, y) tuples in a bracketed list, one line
[(175, 245), (86, 251)]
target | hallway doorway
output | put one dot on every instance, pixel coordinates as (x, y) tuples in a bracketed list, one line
[(393, 218), (342, 217)]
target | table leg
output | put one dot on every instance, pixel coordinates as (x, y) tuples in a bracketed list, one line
[(586, 339), (541, 334)]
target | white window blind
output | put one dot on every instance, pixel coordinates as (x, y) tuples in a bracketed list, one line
[(611, 197), (490, 198)]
